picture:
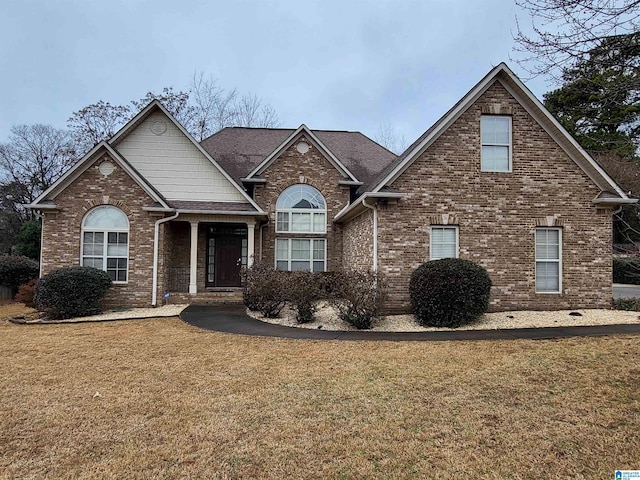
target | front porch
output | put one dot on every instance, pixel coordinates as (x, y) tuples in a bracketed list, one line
[(203, 258)]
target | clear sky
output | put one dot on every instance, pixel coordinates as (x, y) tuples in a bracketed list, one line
[(344, 65)]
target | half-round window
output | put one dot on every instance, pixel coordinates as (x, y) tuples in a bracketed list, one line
[(301, 209), (105, 241)]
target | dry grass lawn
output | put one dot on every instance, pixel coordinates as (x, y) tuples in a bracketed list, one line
[(178, 402)]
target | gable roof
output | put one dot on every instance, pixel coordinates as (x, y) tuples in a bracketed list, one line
[(532, 105), (242, 150), (155, 106), (45, 200)]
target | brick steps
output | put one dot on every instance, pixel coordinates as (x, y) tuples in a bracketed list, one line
[(208, 298)]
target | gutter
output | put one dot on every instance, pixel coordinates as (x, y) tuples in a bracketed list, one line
[(353, 206), (156, 234), (374, 207), (614, 201)]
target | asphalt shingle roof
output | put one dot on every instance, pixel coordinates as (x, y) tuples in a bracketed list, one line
[(239, 150)]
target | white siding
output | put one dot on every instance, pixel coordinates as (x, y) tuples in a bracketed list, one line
[(174, 165)]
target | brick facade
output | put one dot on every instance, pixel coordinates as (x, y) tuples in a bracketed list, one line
[(497, 214), (357, 246), (311, 168), (62, 230)]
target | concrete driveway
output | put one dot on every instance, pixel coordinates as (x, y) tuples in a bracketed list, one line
[(621, 290)]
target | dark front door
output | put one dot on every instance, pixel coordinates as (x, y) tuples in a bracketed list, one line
[(228, 255)]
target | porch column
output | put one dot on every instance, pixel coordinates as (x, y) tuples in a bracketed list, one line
[(250, 242), (193, 261)]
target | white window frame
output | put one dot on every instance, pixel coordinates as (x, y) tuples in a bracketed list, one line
[(312, 212), (105, 243), (311, 250), (547, 260), (508, 145), (443, 227)]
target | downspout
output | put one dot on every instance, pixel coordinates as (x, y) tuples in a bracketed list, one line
[(41, 217), (156, 234), (373, 207)]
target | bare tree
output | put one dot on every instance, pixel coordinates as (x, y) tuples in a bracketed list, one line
[(213, 106), (30, 162), (35, 157), (249, 111), (177, 103), (95, 123), (564, 31), (389, 138)]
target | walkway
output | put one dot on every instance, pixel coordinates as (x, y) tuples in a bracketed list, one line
[(233, 319)]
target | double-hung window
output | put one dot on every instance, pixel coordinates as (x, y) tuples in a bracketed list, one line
[(495, 132), (301, 209), (308, 254), (548, 260), (105, 242), (444, 242)]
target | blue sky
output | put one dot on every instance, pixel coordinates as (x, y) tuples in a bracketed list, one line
[(344, 65)]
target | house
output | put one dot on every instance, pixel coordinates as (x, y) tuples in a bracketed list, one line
[(496, 180)]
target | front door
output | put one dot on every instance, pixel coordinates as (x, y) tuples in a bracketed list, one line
[(228, 255)]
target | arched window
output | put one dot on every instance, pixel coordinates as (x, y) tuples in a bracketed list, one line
[(301, 209), (105, 242)]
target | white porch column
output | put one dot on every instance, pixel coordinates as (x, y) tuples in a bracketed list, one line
[(250, 242), (193, 262)]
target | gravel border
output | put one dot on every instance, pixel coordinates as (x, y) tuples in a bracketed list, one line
[(326, 319)]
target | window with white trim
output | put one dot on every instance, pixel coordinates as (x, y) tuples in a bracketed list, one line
[(444, 242), (495, 132), (548, 260), (308, 254), (301, 209), (105, 242)]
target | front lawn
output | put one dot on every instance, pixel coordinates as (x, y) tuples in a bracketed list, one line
[(160, 399)]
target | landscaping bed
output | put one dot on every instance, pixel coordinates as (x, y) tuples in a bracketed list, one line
[(326, 318)]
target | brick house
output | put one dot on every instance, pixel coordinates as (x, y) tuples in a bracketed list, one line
[(496, 180)]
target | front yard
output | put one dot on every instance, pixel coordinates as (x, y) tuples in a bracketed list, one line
[(160, 399)]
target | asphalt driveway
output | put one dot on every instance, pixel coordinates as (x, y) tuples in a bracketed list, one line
[(233, 319)]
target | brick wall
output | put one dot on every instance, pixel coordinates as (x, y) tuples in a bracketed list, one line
[(357, 242), (497, 214), (313, 169), (61, 230)]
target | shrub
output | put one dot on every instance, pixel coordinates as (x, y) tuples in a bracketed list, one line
[(16, 271), (357, 296), (302, 292), (626, 270), (26, 293), (264, 289), (449, 293), (631, 304), (72, 292)]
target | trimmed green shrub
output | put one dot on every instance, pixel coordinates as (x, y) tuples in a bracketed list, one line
[(72, 292), (303, 290), (626, 270), (449, 293), (16, 271), (357, 296), (630, 304), (264, 289), (26, 293)]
